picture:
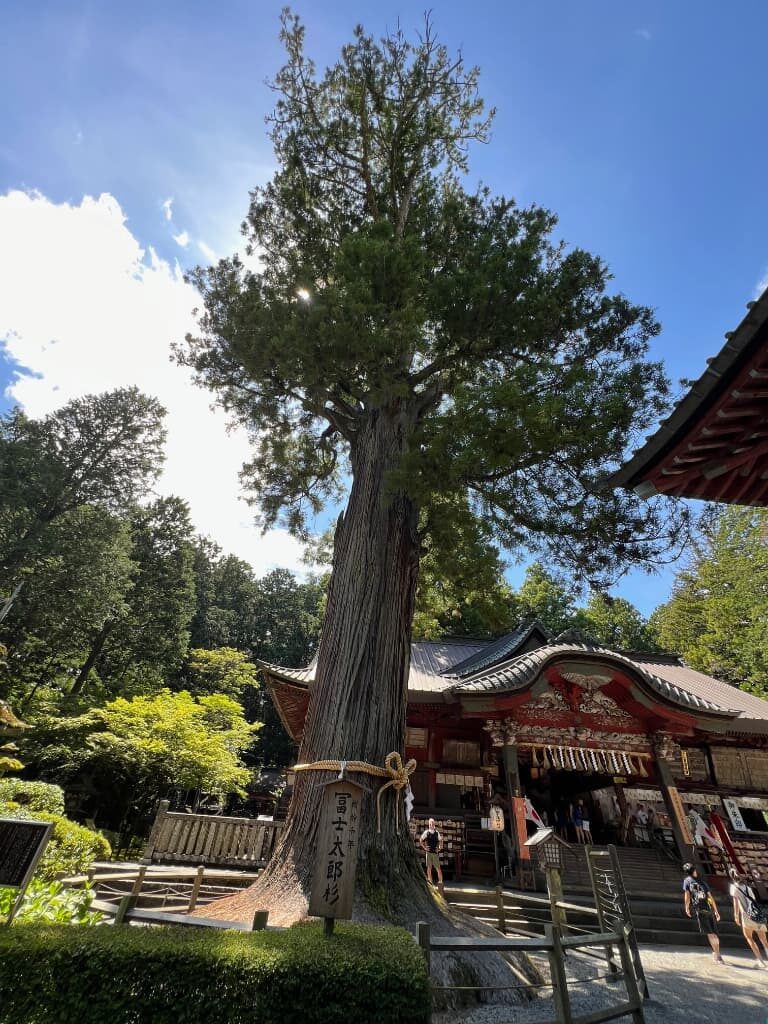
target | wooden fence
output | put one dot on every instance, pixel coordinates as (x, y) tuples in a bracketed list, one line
[(556, 946), (178, 838), (126, 912)]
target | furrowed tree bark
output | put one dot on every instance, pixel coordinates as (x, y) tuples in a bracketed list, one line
[(358, 700), (357, 711)]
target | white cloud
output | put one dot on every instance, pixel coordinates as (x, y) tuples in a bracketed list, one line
[(644, 33), (85, 308), (182, 239), (168, 208), (208, 252)]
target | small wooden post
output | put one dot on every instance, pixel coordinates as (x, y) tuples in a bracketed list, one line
[(196, 886), (157, 824), (125, 904), (138, 883), (328, 926), (501, 910), (555, 891), (633, 992), (557, 973), (423, 939), (260, 919)]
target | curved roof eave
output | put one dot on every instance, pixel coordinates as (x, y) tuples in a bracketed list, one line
[(520, 673)]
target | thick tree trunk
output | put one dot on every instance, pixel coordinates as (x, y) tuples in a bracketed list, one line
[(357, 712)]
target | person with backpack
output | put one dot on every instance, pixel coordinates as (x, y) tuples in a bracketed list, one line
[(431, 842), (751, 915), (698, 900)]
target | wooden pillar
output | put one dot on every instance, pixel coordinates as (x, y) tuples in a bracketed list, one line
[(511, 770), (681, 828), (555, 891)]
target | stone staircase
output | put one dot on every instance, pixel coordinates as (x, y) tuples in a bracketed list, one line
[(654, 885)]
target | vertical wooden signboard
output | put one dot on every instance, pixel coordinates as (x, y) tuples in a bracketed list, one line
[(22, 844), (524, 865), (333, 880)]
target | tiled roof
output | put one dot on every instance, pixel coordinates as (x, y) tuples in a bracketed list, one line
[(747, 705), (498, 650), (431, 661), (441, 667), (520, 672)]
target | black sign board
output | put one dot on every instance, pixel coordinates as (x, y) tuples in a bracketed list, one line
[(21, 845), (611, 901)]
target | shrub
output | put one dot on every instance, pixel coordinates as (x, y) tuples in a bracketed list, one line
[(190, 976), (35, 796), (50, 903), (71, 849)]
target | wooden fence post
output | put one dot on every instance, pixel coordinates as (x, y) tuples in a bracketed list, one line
[(260, 919), (423, 939), (557, 972), (157, 824), (633, 992), (138, 883), (196, 885), (123, 907), (501, 909)]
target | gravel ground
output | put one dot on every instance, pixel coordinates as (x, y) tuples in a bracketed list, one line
[(686, 987)]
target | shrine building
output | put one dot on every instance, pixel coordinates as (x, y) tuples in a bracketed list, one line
[(658, 753)]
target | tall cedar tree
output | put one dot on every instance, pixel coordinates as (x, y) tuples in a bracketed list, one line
[(435, 347)]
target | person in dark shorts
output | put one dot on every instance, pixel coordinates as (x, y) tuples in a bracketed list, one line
[(698, 900), (431, 841)]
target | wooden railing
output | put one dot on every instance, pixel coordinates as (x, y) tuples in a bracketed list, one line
[(178, 838), (555, 945), (126, 912)]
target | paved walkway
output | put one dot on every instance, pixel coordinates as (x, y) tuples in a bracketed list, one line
[(686, 987)]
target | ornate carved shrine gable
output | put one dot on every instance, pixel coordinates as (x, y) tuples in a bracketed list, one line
[(578, 698)]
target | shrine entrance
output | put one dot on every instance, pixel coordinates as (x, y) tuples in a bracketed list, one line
[(555, 794)]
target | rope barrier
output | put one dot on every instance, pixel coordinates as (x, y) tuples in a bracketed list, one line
[(397, 774)]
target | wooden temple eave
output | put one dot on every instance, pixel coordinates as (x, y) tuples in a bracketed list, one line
[(714, 446), (291, 701)]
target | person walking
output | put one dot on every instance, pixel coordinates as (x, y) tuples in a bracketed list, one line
[(698, 900), (432, 842), (750, 916)]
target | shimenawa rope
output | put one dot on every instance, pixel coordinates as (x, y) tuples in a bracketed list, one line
[(394, 770)]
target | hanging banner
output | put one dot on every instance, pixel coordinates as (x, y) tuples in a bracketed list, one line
[(734, 814), (496, 819), (518, 810)]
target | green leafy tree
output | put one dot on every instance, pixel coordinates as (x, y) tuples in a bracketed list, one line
[(223, 670), (615, 622), (133, 752), (81, 575), (103, 450), (716, 617), (436, 348), (145, 638)]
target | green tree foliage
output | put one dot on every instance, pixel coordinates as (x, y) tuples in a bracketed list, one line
[(146, 637), (615, 622), (223, 670), (716, 617), (387, 286), (101, 450), (133, 752)]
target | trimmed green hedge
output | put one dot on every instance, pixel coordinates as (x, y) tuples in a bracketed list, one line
[(35, 796), (126, 975)]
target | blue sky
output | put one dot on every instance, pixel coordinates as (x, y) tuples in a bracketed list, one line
[(640, 125)]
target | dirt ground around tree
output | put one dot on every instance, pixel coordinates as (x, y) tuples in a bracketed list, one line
[(685, 984)]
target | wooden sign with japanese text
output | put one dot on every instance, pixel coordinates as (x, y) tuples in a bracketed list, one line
[(333, 880), (21, 846), (681, 817)]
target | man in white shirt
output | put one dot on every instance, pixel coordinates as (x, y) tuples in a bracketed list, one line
[(431, 842)]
